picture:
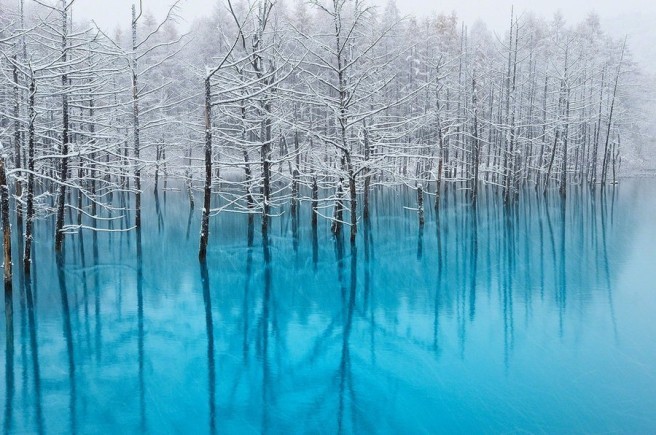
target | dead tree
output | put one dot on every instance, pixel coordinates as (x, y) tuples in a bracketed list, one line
[(65, 138)]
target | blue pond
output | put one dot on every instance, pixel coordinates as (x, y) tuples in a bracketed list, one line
[(533, 318)]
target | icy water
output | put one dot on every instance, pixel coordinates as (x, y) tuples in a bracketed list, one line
[(537, 318)]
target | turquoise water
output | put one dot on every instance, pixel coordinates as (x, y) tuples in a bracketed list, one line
[(536, 318)]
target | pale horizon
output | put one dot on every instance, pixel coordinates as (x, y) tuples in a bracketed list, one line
[(633, 21)]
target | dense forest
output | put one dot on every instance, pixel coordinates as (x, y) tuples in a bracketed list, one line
[(268, 106)]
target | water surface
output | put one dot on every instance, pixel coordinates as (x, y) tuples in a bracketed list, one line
[(537, 317)]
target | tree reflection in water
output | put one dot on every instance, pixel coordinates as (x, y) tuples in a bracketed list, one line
[(293, 330)]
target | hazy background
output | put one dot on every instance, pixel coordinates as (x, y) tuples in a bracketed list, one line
[(635, 18)]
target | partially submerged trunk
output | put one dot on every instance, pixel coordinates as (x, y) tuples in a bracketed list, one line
[(6, 226), (476, 144), (367, 173), (354, 205), (17, 146), (207, 191), (63, 173), (135, 123), (266, 167), (338, 216), (315, 202), (604, 169), (420, 204), (27, 257)]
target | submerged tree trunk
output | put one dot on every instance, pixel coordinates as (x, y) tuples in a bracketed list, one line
[(476, 150), (420, 204), (441, 151), (338, 217), (616, 157), (207, 192), (6, 226), (27, 257), (595, 152), (135, 123), (354, 205), (266, 167), (61, 200), (604, 168), (563, 175), (17, 146), (315, 202), (295, 177), (94, 173), (367, 173)]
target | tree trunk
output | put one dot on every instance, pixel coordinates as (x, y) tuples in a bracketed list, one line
[(367, 174), (354, 203), (266, 167), (604, 169), (420, 204), (207, 193), (315, 202), (295, 178), (595, 153), (27, 257), (17, 147), (61, 200), (135, 123), (6, 226), (476, 150), (338, 218)]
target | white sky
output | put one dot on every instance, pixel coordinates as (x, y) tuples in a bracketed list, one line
[(633, 17)]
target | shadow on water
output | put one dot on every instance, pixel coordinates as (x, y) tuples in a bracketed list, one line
[(368, 297), (605, 255), (246, 314), (509, 214), (345, 369), (266, 327), (473, 274), (140, 334), (439, 282), (376, 335), (96, 300), (68, 336), (9, 360), (34, 351), (209, 325), (158, 211)]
